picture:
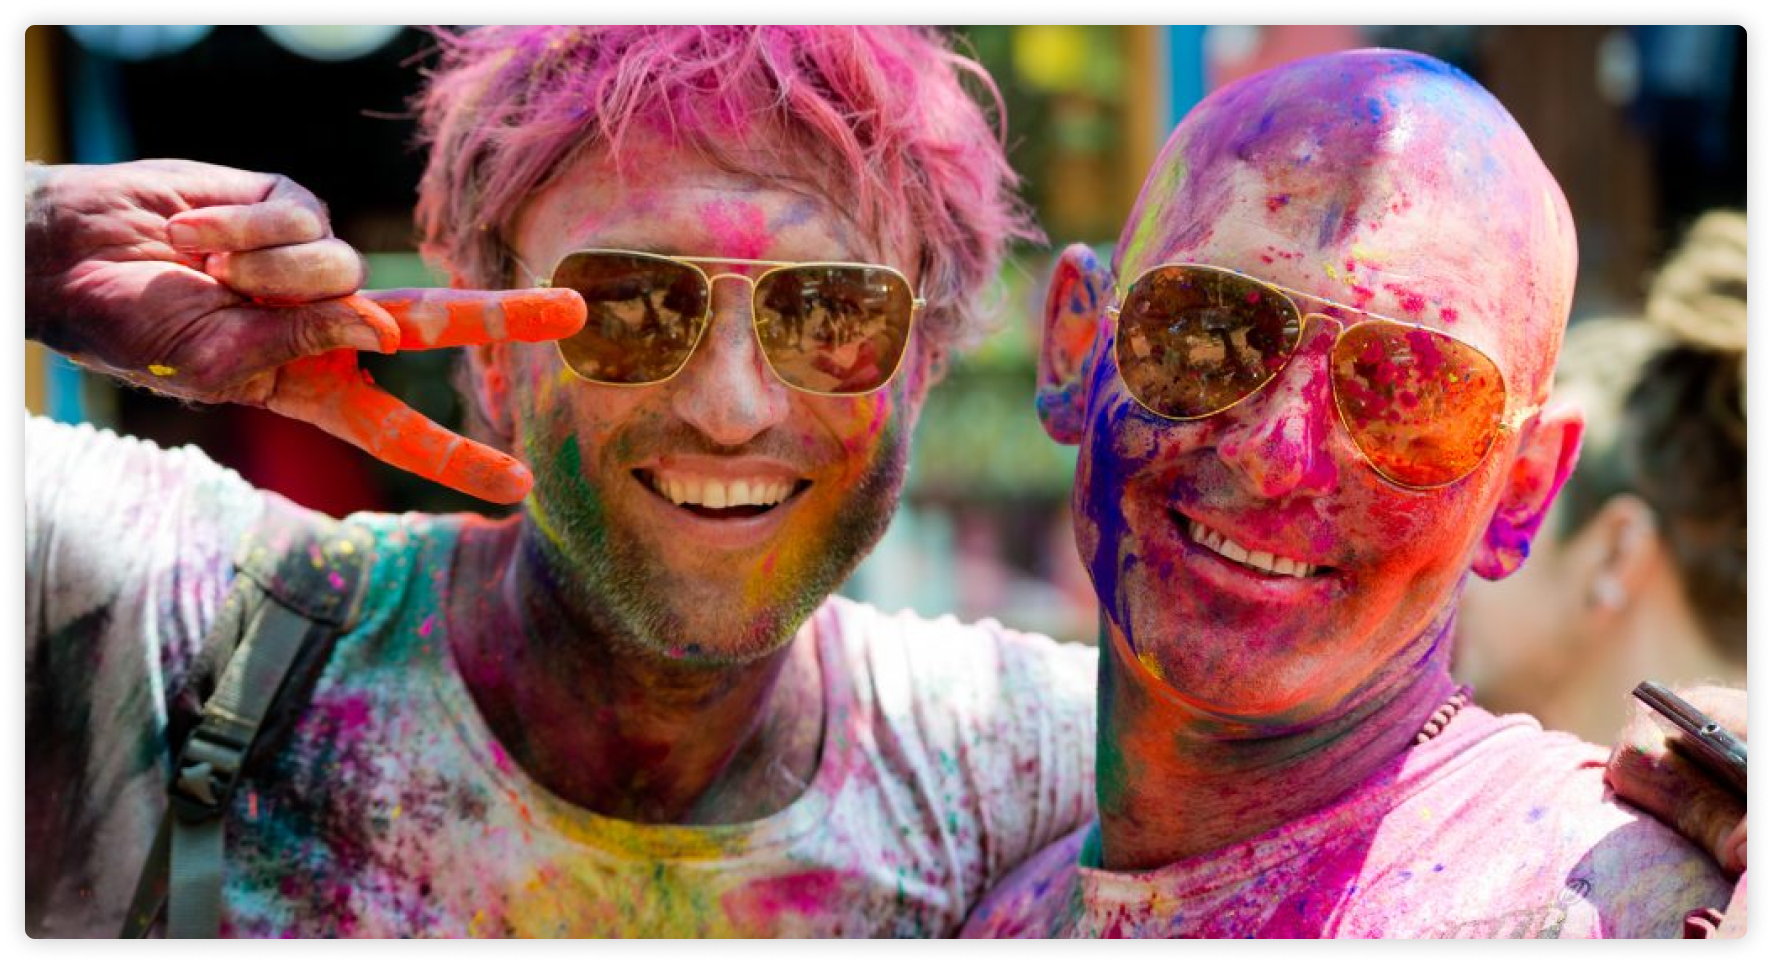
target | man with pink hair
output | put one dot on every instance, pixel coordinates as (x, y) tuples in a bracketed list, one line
[(634, 706), (1310, 394)]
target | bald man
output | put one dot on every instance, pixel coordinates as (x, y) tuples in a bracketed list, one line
[(1310, 398)]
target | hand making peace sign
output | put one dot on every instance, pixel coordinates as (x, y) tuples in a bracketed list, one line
[(220, 285)]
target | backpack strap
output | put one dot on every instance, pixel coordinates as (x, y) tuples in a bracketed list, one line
[(298, 586)]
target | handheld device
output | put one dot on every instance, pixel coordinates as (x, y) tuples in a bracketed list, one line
[(1701, 739)]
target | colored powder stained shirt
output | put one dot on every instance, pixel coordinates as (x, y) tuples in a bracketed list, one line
[(1494, 828), (952, 752)]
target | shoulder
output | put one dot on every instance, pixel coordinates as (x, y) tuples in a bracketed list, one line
[(917, 664), (1547, 791), (82, 460), (411, 559), (123, 525)]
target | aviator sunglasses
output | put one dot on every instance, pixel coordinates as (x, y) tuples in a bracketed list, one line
[(829, 328), (1423, 407)]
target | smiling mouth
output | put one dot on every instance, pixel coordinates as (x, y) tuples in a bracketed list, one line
[(1264, 563), (711, 498)]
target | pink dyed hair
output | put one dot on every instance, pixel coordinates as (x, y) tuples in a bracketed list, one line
[(875, 119)]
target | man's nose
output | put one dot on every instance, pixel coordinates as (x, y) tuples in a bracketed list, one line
[(727, 390), (1278, 438)]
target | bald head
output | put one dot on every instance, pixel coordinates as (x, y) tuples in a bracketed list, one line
[(1384, 179)]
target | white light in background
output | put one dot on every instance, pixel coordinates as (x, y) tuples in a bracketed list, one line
[(332, 42), (1618, 69), (136, 42), (1230, 45)]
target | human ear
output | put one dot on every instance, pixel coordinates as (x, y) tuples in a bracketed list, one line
[(1072, 333), (1622, 543), (1540, 467)]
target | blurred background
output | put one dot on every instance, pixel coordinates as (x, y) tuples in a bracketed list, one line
[(1645, 128)]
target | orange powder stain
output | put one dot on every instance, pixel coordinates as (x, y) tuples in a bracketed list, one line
[(543, 315)]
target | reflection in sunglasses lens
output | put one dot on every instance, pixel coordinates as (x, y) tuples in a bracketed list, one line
[(835, 329), (644, 316), (1193, 341), (1423, 407)]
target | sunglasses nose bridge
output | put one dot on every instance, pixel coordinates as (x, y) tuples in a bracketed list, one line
[(740, 340), (1304, 325)]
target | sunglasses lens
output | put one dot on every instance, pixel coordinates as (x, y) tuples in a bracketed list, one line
[(644, 316), (834, 329), (1193, 341), (1423, 407)]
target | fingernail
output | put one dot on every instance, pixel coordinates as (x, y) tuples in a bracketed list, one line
[(181, 236), (363, 338), (379, 321)]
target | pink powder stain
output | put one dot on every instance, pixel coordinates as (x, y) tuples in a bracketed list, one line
[(430, 623), (350, 713), (1411, 302), (336, 581), (1448, 315), (500, 758), (1362, 296), (762, 902), (738, 229), (1278, 201)]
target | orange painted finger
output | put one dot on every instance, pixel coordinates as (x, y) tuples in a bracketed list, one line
[(450, 318), (329, 391)]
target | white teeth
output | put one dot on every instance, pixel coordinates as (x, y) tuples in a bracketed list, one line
[(716, 494), (1262, 560)]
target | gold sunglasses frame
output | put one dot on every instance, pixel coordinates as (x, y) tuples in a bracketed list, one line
[(775, 267), (1504, 424)]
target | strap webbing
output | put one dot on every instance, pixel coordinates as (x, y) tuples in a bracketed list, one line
[(298, 582)]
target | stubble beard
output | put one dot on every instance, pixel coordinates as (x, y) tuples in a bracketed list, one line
[(609, 577)]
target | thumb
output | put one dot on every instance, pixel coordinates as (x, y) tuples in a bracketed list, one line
[(1646, 772), (252, 337)]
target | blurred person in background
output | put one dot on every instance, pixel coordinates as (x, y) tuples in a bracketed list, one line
[(1642, 573)]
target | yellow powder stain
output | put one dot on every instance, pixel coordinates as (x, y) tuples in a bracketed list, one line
[(1366, 256), (540, 518), (396, 813), (1148, 660), (1329, 269), (162, 370)]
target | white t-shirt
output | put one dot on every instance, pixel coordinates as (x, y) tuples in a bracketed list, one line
[(1494, 828), (951, 754)]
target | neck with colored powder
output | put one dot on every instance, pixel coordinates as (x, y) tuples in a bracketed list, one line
[(1176, 782), (610, 728)]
